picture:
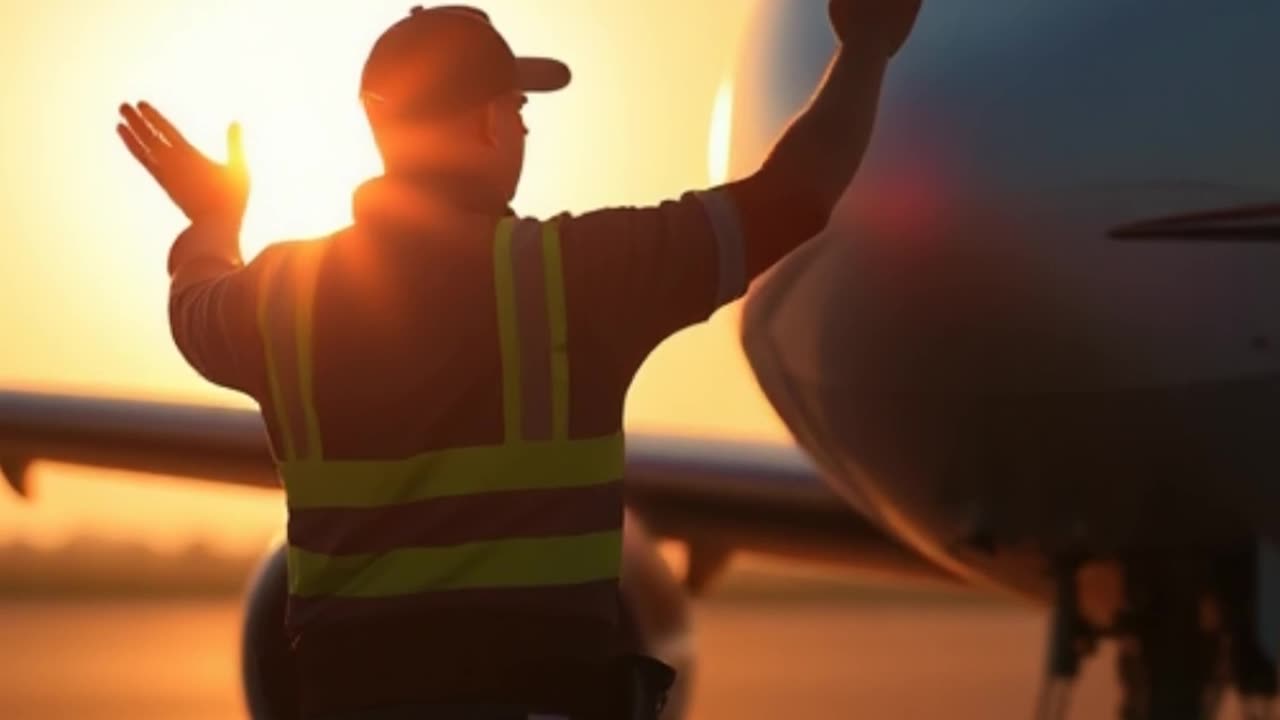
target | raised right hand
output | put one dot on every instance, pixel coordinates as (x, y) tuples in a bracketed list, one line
[(884, 23)]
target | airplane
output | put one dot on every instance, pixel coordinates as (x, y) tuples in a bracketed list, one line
[(1037, 350), (1039, 343)]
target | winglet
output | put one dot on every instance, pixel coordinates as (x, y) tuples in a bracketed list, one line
[(15, 473)]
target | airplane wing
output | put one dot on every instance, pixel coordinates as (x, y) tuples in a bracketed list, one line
[(719, 497)]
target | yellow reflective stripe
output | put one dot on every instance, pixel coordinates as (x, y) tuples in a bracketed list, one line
[(556, 317), (533, 331), (508, 335), (306, 295), (273, 375), (522, 562), (455, 471)]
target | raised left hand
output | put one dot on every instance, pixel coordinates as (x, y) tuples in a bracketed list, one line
[(201, 188)]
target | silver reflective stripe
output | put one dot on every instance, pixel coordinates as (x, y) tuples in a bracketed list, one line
[(728, 230)]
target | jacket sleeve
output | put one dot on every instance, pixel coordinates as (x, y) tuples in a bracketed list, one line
[(212, 297), (639, 275)]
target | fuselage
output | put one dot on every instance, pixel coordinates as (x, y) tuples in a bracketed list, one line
[(974, 360)]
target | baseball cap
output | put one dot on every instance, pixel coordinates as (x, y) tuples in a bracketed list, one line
[(446, 58)]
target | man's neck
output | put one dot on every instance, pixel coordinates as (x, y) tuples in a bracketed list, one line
[(466, 191), (399, 200)]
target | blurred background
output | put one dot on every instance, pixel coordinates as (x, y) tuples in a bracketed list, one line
[(119, 594)]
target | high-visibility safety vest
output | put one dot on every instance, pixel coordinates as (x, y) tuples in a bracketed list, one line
[(533, 522)]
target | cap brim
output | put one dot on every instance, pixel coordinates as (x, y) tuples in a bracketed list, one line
[(537, 74)]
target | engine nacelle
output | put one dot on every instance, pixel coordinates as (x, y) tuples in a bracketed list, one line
[(656, 607), (266, 662)]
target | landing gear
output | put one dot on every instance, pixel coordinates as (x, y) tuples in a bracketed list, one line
[(1169, 659), (1248, 582), (1071, 639), (1189, 626)]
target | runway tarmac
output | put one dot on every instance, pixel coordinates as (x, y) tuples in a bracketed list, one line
[(760, 659)]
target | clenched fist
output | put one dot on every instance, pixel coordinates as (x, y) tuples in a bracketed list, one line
[(885, 23)]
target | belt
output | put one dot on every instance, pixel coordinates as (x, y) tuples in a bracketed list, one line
[(443, 712)]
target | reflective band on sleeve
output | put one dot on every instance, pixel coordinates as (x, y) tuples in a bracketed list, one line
[(508, 332), (559, 325), (520, 562), (456, 471), (305, 290), (265, 330), (728, 230)]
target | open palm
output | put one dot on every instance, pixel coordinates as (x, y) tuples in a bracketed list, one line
[(201, 188)]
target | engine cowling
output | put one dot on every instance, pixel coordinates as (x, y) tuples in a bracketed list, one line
[(656, 612)]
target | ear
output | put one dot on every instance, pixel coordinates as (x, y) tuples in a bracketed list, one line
[(490, 124)]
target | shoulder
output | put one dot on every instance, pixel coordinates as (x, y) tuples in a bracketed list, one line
[(282, 260)]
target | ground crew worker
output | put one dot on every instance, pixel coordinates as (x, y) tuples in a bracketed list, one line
[(443, 381)]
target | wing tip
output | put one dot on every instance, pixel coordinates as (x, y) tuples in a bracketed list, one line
[(15, 472)]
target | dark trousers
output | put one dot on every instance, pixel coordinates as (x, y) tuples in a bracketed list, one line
[(641, 683)]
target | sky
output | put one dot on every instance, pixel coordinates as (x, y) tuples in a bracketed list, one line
[(82, 267)]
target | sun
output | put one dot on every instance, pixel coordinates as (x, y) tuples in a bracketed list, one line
[(295, 94), (304, 159)]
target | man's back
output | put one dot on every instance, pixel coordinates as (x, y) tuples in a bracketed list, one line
[(406, 334), (384, 354), (383, 346)]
